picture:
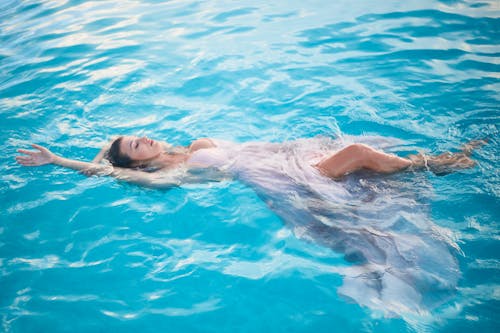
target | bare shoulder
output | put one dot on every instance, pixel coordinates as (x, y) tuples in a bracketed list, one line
[(202, 143)]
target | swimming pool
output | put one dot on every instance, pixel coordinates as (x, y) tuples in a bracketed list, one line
[(86, 254)]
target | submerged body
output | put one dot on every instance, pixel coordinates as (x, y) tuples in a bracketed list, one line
[(400, 261)]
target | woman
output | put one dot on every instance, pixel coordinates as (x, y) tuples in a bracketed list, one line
[(131, 156), (400, 260)]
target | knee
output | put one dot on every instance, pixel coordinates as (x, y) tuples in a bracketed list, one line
[(361, 154), (359, 149)]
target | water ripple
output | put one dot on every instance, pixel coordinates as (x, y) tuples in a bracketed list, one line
[(73, 74)]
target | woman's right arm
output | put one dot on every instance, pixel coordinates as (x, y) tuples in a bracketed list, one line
[(44, 156)]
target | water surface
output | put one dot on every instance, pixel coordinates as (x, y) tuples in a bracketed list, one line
[(85, 254)]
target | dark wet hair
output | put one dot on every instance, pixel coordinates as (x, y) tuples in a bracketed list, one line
[(116, 157)]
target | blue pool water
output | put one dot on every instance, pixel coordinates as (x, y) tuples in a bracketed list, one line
[(92, 254)]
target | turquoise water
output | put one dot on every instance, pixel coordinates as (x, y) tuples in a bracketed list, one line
[(92, 254)]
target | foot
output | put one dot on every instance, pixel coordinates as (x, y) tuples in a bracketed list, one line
[(446, 163), (442, 164), (472, 145)]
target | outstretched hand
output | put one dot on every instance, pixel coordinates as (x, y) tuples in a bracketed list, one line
[(35, 158)]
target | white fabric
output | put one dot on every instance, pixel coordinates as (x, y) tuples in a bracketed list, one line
[(380, 223)]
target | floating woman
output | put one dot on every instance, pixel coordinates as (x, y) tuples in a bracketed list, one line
[(130, 156), (399, 260)]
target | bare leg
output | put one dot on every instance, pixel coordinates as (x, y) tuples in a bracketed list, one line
[(359, 156)]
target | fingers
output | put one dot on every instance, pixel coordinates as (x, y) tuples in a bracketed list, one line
[(25, 160), (34, 158), (40, 148), (27, 152), (30, 152)]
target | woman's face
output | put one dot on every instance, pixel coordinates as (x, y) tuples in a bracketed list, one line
[(140, 149)]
